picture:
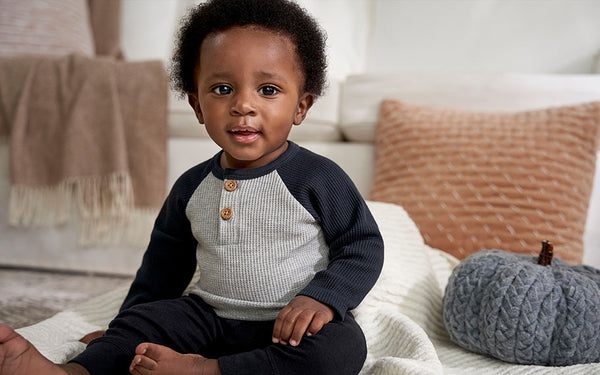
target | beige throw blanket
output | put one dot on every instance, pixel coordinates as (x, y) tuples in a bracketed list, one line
[(85, 131)]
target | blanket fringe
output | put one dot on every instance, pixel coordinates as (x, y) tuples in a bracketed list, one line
[(35, 207), (105, 196), (105, 204), (134, 229)]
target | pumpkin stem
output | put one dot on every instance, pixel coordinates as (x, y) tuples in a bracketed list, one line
[(546, 254)]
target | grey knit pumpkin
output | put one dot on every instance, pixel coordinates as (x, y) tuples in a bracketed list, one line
[(508, 306)]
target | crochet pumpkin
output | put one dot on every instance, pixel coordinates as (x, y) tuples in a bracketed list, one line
[(524, 309)]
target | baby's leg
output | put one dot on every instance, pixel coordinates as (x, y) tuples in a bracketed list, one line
[(160, 360), (185, 324), (19, 357), (338, 349)]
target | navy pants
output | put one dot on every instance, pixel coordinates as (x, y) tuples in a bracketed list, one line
[(189, 325)]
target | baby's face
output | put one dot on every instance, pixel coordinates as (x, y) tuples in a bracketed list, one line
[(249, 94)]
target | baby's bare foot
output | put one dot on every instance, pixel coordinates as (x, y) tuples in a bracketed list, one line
[(19, 357), (156, 359)]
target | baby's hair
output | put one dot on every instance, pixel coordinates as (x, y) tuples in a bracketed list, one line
[(280, 16)]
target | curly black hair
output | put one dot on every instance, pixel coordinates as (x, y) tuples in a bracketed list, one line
[(281, 16)]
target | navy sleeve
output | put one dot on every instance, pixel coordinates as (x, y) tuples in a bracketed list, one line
[(169, 262), (355, 243)]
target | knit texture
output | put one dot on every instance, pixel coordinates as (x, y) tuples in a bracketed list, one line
[(243, 274), (507, 306), (475, 181)]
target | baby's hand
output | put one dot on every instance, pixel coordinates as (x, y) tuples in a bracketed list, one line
[(302, 315)]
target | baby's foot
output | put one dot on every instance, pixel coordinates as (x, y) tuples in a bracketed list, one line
[(156, 359), (19, 357)]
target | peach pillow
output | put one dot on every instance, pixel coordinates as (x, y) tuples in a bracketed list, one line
[(475, 181)]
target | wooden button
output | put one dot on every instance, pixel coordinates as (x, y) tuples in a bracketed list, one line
[(230, 185), (226, 213)]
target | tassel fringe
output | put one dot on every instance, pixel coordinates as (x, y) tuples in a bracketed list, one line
[(106, 206)]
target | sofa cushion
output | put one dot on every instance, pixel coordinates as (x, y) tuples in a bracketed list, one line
[(485, 180), (361, 95)]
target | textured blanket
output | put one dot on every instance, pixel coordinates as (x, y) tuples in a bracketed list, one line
[(84, 131), (401, 317)]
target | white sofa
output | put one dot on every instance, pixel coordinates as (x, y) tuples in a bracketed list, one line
[(341, 126)]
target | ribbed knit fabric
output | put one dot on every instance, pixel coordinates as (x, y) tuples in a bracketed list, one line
[(246, 273), (296, 226)]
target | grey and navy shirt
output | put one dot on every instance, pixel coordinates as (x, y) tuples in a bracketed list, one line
[(262, 236)]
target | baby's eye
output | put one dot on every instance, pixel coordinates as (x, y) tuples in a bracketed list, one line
[(268, 90), (222, 90)]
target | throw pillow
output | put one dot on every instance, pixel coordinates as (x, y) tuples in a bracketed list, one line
[(47, 27), (474, 181)]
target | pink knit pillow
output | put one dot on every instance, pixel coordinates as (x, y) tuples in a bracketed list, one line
[(475, 181)]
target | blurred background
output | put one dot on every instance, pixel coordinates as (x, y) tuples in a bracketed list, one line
[(382, 36)]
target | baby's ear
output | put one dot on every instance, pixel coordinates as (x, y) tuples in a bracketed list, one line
[(193, 100), (304, 104)]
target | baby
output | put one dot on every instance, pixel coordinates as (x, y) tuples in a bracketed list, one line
[(284, 243)]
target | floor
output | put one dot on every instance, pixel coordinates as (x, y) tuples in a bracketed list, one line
[(29, 296)]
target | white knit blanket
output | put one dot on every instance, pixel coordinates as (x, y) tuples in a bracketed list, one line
[(401, 316)]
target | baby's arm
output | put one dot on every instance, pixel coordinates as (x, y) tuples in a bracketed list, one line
[(355, 245), (303, 315)]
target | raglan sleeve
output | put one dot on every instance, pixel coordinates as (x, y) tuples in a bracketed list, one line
[(355, 243), (169, 262)]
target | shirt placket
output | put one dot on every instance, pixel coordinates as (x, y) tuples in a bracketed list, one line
[(229, 212)]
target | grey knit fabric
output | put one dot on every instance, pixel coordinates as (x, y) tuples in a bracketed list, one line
[(242, 275), (507, 306)]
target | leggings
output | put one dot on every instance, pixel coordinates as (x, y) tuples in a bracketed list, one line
[(189, 325)]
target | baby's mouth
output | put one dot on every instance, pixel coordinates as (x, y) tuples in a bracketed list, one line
[(245, 135)]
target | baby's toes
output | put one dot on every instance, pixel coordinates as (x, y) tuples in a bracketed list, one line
[(155, 352), (142, 364)]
